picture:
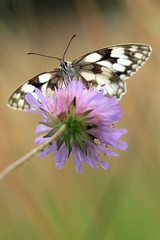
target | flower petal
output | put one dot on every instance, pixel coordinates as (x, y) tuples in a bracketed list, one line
[(60, 156), (40, 139), (77, 159), (32, 101), (104, 164), (42, 128), (45, 151)]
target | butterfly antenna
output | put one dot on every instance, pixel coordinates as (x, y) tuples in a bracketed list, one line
[(42, 55), (68, 45)]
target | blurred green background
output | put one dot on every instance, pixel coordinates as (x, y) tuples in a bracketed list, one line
[(38, 201)]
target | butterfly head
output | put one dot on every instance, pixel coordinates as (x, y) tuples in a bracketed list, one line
[(63, 64)]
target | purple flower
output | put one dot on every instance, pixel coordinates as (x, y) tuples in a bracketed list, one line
[(88, 117)]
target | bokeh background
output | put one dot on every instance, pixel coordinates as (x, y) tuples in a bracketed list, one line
[(38, 201)]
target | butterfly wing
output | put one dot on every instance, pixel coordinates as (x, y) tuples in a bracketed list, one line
[(46, 82), (107, 68)]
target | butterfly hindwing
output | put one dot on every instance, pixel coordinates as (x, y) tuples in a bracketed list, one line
[(46, 82), (100, 77)]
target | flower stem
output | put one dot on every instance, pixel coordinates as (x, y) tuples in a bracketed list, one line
[(29, 155)]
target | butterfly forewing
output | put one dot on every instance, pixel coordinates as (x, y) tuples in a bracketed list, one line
[(100, 77)]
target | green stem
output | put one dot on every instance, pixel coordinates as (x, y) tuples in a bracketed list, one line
[(29, 155)]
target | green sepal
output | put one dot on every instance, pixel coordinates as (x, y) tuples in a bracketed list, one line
[(48, 124), (66, 107), (52, 132), (60, 141), (90, 118), (79, 142), (73, 106), (49, 116), (68, 142), (90, 125), (88, 137), (81, 116)]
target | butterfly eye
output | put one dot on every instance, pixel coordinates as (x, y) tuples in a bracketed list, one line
[(63, 64)]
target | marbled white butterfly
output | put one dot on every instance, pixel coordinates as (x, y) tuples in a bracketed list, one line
[(105, 68)]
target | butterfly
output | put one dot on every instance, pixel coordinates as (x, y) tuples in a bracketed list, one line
[(105, 68)]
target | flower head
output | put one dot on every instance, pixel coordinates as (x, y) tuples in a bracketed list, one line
[(88, 117)]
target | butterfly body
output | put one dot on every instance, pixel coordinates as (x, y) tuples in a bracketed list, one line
[(68, 71), (105, 68)]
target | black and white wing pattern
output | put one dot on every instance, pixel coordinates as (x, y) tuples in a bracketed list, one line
[(46, 82), (107, 68)]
